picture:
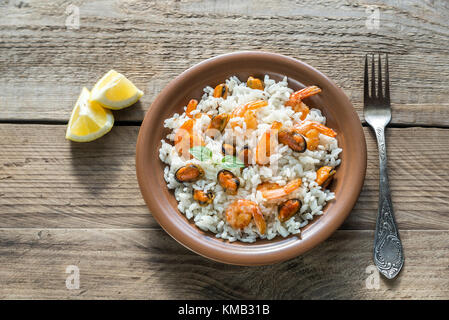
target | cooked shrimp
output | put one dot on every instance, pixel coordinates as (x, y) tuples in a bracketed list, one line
[(247, 112), (253, 105), (259, 220), (188, 125), (324, 176), (276, 125), (305, 126), (300, 95), (191, 106), (240, 212), (313, 139), (267, 143), (264, 148), (303, 108), (185, 138), (280, 192), (296, 98), (267, 186), (250, 120)]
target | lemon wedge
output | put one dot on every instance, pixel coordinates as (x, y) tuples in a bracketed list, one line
[(89, 120), (115, 91)]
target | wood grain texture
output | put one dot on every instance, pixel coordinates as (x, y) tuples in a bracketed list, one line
[(148, 264), (48, 182), (65, 203), (44, 64)]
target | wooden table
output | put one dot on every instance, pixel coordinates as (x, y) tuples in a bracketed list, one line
[(65, 203)]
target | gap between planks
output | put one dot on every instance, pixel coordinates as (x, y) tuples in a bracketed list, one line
[(47, 182), (44, 63), (131, 123), (160, 229), (141, 264)]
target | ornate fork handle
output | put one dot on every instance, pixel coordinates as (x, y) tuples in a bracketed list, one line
[(388, 254)]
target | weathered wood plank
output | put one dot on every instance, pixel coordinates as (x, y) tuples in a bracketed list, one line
[(44, 64), (145, 264), (48, 182)]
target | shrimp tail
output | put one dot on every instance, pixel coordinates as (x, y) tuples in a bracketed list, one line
[(273, 194), (305, 93), (241, 110), (305, 126)]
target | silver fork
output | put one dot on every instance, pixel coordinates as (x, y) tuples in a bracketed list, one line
[(388, 254)]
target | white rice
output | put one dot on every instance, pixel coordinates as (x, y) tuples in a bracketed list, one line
[(286, 165)]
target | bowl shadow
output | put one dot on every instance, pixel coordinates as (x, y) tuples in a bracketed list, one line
[(312, 275)]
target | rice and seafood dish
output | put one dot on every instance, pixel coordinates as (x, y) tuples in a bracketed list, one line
[(250, 160)]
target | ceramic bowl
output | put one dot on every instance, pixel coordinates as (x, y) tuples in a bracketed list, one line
[(332, 102)]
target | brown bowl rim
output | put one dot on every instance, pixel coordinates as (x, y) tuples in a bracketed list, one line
[(239, 253)]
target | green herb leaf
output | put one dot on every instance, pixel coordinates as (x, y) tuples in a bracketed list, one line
[(232, 162), (201, 153)]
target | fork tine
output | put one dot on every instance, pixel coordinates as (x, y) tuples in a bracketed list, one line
[(379, 80), (366, 82), (373, 79), (387, 80)]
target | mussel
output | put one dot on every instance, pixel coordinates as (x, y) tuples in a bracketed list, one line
[(228, 181), (254, 83), (245, 155), (217, 125), (221, 91), (219, 122), (324, 176), (203, 198), (228, 149), (293, 139), (189, 173), (288, 209)]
